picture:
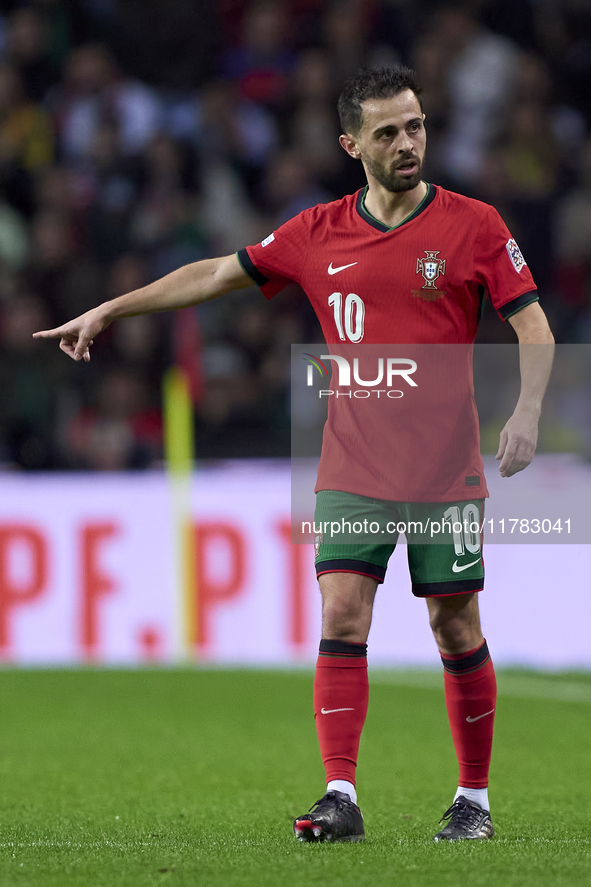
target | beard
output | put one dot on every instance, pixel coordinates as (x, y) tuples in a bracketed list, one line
[(390, 178)]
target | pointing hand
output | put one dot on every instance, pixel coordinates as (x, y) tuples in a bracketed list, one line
[(77, 335)]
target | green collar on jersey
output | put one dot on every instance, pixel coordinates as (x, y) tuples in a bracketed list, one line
[(375, 223)]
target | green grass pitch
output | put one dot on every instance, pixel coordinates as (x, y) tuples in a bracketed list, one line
[(193, 777)]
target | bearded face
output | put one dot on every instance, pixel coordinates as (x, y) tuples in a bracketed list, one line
[(403, 174), (391, 141)]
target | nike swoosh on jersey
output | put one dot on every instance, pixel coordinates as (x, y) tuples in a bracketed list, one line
[(457, 569), (477, 718), (332, 270), (330, 711)]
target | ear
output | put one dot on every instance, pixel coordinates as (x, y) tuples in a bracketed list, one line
[(349, 145)]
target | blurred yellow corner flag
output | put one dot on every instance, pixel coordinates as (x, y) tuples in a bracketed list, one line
[(181, 386)]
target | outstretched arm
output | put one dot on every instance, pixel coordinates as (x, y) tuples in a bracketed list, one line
[(519, 437), (189, 285)]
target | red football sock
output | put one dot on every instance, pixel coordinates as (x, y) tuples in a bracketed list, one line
[(471, 699), (341, 692)]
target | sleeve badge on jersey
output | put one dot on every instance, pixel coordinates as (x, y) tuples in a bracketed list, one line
[(515, 255), (271, 238)]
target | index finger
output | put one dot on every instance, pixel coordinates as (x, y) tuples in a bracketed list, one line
[(508, 456), (57, 333)]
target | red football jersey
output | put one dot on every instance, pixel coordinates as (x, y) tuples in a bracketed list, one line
[(423, 282)]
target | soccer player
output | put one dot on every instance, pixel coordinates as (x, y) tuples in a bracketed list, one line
[(401, 261)]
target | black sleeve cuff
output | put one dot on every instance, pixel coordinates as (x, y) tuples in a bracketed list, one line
[(251, 269), (515, 305)]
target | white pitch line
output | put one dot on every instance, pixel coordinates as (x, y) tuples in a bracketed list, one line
[(524, 686)]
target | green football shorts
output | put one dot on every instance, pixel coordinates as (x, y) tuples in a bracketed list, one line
[(357, 534)]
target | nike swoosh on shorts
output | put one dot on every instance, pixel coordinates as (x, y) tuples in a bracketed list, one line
[(457, 569)]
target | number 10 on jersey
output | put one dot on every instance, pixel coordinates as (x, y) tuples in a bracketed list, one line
[(350, 322)]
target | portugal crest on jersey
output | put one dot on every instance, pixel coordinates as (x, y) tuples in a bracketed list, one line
[(430, 267)]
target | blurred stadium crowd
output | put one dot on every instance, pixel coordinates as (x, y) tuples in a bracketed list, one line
[(137, 135)]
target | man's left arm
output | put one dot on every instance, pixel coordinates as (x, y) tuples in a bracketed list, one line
[(519, 437)]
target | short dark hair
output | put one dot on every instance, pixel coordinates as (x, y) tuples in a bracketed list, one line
[(368, 83)]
